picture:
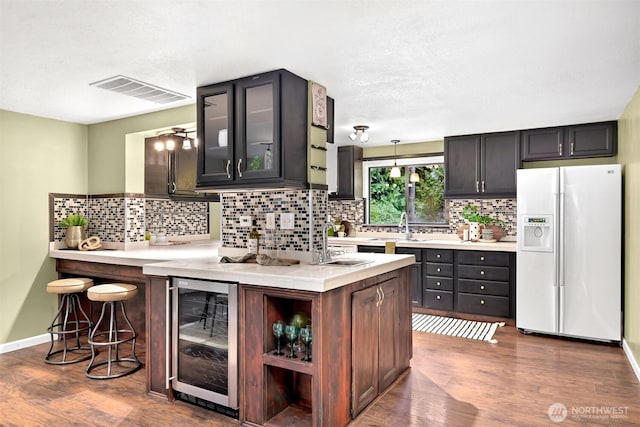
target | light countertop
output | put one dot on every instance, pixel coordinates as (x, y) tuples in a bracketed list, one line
[(200, 260), (508, 246), (306, 277), (197, 249)]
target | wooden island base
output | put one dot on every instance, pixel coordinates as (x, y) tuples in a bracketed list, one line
[(362, 342)]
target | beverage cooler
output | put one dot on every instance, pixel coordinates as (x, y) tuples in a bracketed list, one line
[(204, 343)]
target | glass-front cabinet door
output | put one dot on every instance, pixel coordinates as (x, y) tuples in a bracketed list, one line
[(258, 127), (216, 133)]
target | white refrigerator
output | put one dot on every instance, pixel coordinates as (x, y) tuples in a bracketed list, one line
[(569, 263)]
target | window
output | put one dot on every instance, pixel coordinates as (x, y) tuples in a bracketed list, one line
[(388, 197)]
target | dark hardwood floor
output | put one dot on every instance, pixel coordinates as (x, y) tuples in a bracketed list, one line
[(452, 382)]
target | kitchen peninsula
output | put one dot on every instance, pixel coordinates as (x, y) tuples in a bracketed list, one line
[(360, 318)]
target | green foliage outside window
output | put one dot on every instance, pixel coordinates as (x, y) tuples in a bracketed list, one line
[(423, 201)]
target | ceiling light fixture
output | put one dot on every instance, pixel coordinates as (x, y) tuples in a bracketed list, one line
[(414, 177), (395, 170), (170, 144), (360, 130)]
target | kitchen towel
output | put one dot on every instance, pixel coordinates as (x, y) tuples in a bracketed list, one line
[(471, 329)]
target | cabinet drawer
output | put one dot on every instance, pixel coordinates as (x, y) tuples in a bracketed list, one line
[(440, 255), (483, 287), (440, 283), (371, 249), (442, 270), (483, 258), (483, 273), (482, 304), (437, 299)]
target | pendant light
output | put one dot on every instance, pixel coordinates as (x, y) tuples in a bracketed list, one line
[(414, 177), (395, 170)]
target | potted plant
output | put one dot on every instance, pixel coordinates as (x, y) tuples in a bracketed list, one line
[(76, 225), (476, 220)]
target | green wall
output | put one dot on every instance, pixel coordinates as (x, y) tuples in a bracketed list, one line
[(115, 161), (39, 156), (629, 157)]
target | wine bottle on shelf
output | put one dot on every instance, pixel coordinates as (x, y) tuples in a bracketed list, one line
[(254, 240)]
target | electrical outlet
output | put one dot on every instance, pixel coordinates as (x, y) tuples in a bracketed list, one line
[(245, 220), (287, 221), (271, 221)]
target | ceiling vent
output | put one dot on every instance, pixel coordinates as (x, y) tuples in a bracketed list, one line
[(137, 89)]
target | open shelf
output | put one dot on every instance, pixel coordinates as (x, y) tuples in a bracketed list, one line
[(288, 401), (284, 362)]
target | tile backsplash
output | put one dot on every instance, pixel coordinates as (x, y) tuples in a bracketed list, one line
[(124, 218), (308, 206)]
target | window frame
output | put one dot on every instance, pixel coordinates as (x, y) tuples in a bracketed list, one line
[(403, 161)]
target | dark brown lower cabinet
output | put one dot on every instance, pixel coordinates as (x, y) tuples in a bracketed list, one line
[(376, 323), (361, 343)]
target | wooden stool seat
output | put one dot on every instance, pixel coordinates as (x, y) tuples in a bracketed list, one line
[(69, 286), (67, 326), (110, 335), (112, 292)]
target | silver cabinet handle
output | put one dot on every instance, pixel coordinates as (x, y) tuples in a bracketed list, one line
[(572, 144), (228, 171), (481, 273), (560, 148), (437, 283), (481, 258), (173, 187), (382, 293), (481, 302), (482, 287), (477, 185), (438, 256), (239, 170), (379, 297), (438, 270), (483, 186), (437, 296)]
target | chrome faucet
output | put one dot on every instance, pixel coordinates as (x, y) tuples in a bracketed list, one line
[(403, 217), (325, 255)]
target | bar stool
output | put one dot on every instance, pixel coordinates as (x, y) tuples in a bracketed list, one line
[(110, 295), (66, 322)]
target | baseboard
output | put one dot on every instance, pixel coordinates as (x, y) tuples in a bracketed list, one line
[(24, 343), (632, 360)]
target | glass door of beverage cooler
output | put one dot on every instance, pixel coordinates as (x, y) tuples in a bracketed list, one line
[(205, 340)]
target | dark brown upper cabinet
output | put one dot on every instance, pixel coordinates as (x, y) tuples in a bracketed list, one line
[(253, 132), (568, 142), (481, 166), (172, 173), (349, 173), (330, 120)]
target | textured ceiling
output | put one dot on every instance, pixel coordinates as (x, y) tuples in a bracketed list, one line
[(411, 70)]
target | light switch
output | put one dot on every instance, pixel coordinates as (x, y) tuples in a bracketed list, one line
[(271, 221), (245, 220), (287, 221)]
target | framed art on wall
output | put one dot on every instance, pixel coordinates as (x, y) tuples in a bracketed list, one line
[(318, 105)]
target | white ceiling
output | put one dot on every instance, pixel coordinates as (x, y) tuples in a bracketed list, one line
[(411, 70)]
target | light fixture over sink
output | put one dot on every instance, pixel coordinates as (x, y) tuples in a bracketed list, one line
[(395, 170)]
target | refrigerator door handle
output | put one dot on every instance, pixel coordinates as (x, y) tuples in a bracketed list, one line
[(560, 256)]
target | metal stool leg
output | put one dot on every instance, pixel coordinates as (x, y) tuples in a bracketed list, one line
[(65, 329), (113, 342)]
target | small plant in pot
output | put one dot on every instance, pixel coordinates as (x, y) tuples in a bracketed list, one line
[(477, 222), (76, 225)]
